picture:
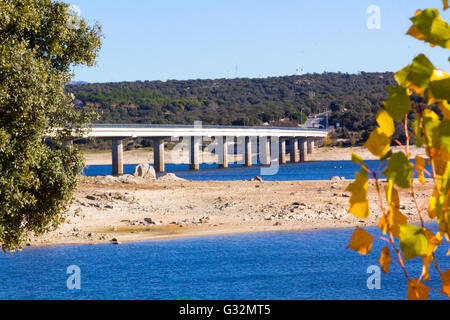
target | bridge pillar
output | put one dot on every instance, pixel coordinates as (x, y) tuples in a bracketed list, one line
[(264, 151), (248, 152), (311, 145), (283, 151), (223, 152), (294, 151), (117, 157), (195, 153), (303, 146), (158, 155), (235, 150)]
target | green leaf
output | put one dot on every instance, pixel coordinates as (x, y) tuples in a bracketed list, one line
[(420, 74), (431, 125), (444, 133), (413, 242), (400, 170), (398, 104), (429, 27), (415, 125), (386, 156), (440, 89)]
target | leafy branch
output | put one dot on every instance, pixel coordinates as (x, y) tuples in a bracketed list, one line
[(431, 130)]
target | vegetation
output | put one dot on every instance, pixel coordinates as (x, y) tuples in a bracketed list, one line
[(39, 42), (432, 131), (352, 100)]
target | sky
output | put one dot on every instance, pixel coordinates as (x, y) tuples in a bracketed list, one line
[(211, 39)]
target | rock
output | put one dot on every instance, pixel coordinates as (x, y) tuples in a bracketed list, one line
[(149, 221), (170, 177), (257, 179), (109, 179), (145, 171), (204, 220), (91, 198), (336, 179), (128, 179), (115, 241)]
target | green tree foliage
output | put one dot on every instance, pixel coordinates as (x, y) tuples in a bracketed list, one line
[(39, 42), (352, 99), (431, 129)]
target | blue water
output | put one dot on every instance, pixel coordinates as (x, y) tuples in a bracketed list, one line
[(320, 170), (280, 265)]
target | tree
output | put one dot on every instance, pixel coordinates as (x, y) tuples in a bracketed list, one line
[(406, 241), (40, 40)]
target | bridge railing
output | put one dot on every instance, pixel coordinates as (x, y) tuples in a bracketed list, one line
[(164, 126)]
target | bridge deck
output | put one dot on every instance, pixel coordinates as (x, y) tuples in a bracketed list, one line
[(160, 131)]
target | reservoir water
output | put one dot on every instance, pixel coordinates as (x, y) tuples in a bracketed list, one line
[(280, 265), (320, 170)]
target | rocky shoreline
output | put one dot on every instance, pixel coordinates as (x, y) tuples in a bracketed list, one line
[(141, 208)]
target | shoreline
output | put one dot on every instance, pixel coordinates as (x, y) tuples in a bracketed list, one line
[(162, 210), (198, 235)]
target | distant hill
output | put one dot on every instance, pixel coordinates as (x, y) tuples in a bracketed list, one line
[(352, 99), (77, 83)]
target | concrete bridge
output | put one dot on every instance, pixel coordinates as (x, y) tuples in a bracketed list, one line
[(271, 142)]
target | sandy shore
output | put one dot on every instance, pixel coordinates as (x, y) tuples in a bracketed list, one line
[(148, 210), (320, 154), (171, 209)]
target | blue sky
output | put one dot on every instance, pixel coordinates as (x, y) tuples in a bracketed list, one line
[(208, 39)]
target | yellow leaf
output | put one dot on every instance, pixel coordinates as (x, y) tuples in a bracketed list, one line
[(385, 260), (386, 123), (378, 143), (420, 165), (446, 282), (426, 267), (361, 241), (359, 205), (417, 290), (432, 205), (383, 225), (445, 4), (395, 220), (445, 108), (433, 241)]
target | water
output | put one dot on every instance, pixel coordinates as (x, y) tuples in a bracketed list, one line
[(320, 170), (279, 265)]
